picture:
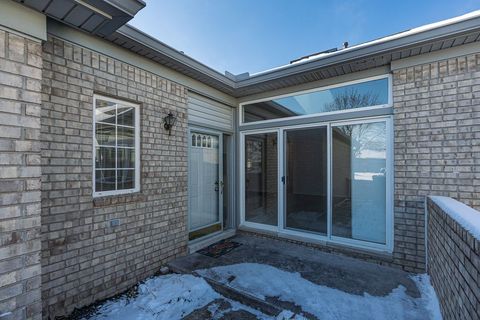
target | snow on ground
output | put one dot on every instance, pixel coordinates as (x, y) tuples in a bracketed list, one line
[(327, 303), (164, 297), (175, 296), (172, 297), (468, 217)]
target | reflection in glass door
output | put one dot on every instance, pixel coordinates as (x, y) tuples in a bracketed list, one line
[(204, 184), (261, 178), (359, 158), (328, 182), (306, 179)]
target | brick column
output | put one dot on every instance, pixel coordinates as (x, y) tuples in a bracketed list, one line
[(437, 123), (20, 241)]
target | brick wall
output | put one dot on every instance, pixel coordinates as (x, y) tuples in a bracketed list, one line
[(453, 265), (437, 149), (83, 258), (20, 104)]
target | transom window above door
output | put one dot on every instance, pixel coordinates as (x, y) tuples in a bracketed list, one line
[(116, 146), (199, 140), (367, 93)]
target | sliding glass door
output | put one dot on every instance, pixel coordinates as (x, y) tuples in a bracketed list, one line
[(261, 178), (359, 167), (329, 182), (306, 179)]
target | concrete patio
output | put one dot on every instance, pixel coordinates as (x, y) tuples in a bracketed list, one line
[(331, 270)]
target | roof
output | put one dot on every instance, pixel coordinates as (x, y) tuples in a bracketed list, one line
[(380, 52), (98, 17)]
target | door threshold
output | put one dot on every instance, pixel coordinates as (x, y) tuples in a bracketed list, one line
[(199, 244)]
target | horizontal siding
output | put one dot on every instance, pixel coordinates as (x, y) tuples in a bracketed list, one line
[(209, 113)]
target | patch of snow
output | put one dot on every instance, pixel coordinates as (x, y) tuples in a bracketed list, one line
[(468, 217), (429, 295), (166, 297), (326, 303)]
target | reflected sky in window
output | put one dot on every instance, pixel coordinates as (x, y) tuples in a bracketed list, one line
[(358, 95)]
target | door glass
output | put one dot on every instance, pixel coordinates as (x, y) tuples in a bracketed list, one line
[(261, 178), (203, 183), (359, 181), (306, 179)]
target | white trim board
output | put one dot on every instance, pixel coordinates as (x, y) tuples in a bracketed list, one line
[(26, 21)]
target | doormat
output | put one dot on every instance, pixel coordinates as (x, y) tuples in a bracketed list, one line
[(219, 249)]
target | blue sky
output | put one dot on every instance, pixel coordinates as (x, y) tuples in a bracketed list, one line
[(256, 35)]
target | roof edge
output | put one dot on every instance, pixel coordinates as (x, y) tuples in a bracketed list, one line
[(389, 43), (145, 39)]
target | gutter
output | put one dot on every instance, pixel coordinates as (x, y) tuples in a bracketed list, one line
[(163, 49), (417, 36)]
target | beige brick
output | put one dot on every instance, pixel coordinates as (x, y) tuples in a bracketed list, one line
[(91, 248), (2, 43), (16, 47), (20, 194), (422, 165)]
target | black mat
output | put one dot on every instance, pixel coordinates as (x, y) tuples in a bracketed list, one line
[(219, 249)]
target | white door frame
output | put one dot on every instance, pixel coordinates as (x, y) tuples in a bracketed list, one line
[(243, 222), (219, 134), (280, 228)]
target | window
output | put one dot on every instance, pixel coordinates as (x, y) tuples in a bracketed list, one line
[(116, 147), (338, 98), (204, 141)]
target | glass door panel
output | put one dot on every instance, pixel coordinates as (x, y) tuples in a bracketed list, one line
[(359, 181), (204, 184), (261, 178), (306, 179)]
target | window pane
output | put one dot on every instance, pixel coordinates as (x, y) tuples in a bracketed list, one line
[(105, 157), (105, 111), (126, 158), (125, 179), (261, 178), (306, 175), (105, 134), (359, 181), (126, 137), (369, 93), (104, 180), (126, 116)]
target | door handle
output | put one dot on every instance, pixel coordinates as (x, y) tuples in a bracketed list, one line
[(219, 186)]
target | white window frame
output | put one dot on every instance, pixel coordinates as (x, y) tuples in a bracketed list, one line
[(280, 228), (136, 188), (337, 85)]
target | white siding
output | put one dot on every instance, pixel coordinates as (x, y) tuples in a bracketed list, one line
[(208, 113)]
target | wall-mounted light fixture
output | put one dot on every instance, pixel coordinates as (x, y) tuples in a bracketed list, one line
[(169, 122)]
